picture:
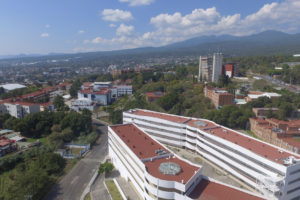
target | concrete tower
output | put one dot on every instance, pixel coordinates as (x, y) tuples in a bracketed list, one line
[(217, 67)]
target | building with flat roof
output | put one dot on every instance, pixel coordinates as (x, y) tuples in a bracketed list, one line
[(263, 112), (271, 170), (253, 95), (12, 86), (116, 90), (19, 109), (284, 134), (205, 68), (157, 173), (210, 67), (217, 67), (80, 104), (153, 96), (220, 97), (6, 145), (101, 96)]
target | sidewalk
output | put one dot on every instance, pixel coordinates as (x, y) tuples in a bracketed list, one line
[(98, 190), (127, 189)]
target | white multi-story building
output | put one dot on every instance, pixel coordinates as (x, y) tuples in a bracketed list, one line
[(80, 104), (101, 97), (217, 67), (157, 173), (205, 68), (269, 169), (210, 67), (124, 90), (19, 109)]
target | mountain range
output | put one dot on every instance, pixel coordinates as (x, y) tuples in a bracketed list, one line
[(265, 43)]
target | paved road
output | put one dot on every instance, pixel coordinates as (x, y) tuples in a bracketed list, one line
[(291, 88), (73, 184), (98, 190)]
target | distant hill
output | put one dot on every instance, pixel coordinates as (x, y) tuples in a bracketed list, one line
[(264, 43)]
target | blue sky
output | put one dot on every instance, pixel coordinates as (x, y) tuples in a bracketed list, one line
[(69, 26)]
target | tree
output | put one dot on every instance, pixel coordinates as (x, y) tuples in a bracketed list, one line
[(2, 91), (285, 110), (168, 101), (105, 167), (59, 103), (223, 81), (181, 72), (116, 117), (75, 87), (30, 184), (56, 140)]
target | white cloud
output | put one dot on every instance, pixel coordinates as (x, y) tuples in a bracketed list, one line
[(116, 15), (174, 27), (138, 2), (125, 30), (96, 40), (112, 25), (47, 25), (81, 32), (45, 35)]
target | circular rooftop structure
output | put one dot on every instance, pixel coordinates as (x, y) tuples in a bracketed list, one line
[(200, 123), (169, 168)]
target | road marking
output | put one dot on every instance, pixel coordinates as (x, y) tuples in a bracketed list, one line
[(74, 180)]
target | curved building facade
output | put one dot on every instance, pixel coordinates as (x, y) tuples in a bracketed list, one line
[(157, 173), (272, 171)]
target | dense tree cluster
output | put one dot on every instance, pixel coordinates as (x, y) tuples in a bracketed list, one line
[(31, 173), (39, 124), (231, 116)]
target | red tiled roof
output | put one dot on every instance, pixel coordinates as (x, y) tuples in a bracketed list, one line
[(260, 148), (143, 146), (65, 84), (4, 141), (33, 94), (86, 91), (155, 94), (87, 84), (186, 173), (140, 143), (46, 104), (22, 103), (207, 190), (173, 118), (102, 91)]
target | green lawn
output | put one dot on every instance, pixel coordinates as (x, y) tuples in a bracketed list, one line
[(87, 197), (42, 140), (5, 181), (76, 151), (113, 190)]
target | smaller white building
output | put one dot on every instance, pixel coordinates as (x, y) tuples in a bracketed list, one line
[(19, 109), (12, 86), (99, 85), (83, 103), (256, 95)]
